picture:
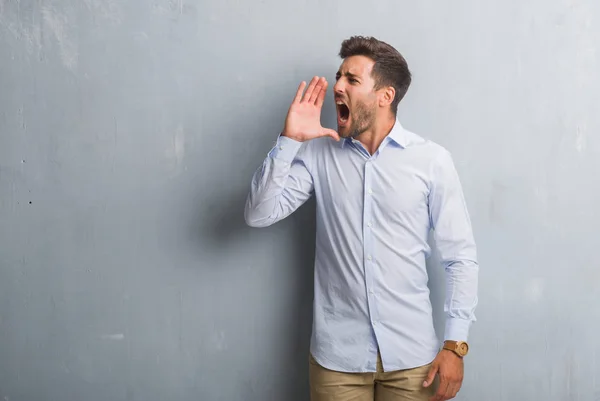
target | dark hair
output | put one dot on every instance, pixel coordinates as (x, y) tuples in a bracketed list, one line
[(390, 67)]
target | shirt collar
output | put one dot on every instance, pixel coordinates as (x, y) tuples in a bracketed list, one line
[(397, 135)]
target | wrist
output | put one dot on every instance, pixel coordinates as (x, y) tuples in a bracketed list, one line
[(292, 136), (459, 348), (451, 354), (285, 149)]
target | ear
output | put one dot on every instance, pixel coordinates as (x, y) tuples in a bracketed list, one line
[(388, 94)]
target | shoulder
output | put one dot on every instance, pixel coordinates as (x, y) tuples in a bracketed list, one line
[(311, 151), (428, 150), (435, 160), (318, 146)]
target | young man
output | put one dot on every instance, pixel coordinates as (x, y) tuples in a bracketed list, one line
[(380, 189)]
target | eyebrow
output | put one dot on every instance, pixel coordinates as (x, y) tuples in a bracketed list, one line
[(348, 74)]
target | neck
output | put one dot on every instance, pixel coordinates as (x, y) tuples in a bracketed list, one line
[(372, 138)]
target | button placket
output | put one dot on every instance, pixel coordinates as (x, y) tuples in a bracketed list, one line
[(368, 240)]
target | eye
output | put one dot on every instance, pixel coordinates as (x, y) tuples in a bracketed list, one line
[(352, 80)]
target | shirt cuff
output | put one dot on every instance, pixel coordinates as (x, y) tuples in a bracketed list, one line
[(285, 149), (457, 329)]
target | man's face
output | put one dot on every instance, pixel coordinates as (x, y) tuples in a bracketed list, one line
[(355, 96)]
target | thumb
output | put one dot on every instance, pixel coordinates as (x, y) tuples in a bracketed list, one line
[(331, 133), (431, 375)]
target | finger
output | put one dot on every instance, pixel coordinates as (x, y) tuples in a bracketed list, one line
[(430, 376), (448, 394), (317, 92), (331, 133), (321, 98), (441, 391), (311, 88), (299, 92), (452, 390)]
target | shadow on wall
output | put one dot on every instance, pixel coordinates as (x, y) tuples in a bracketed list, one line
[(223, 225), (293, 384)]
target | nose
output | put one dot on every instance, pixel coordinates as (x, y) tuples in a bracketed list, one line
[(338, 88)]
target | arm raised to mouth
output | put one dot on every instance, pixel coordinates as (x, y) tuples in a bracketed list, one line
[(283, 183)]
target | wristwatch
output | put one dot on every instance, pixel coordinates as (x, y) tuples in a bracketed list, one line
[(460, 348)]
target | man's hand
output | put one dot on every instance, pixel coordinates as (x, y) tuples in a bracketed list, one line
[(450, 368), (303, 121)]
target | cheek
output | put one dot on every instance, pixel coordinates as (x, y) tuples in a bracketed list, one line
[(366, 100), (374, 100), (367, 105)]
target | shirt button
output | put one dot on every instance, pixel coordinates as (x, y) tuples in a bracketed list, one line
[(280, 147), (369, 257), (370, 191), (370, 224)]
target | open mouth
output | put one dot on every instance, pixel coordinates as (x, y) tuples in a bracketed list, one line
[(343, 112)]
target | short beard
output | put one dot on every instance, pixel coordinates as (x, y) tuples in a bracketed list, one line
[(364, 117)]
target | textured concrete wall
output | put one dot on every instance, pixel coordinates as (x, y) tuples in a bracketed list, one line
[(129, 132)]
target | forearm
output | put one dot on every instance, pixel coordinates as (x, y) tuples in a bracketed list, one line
[(279, 186), (461, 298), (456, 245)]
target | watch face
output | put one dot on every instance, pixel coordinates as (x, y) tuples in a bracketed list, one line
[(463, 348)]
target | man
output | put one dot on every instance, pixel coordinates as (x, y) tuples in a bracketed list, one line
[(379, 189)]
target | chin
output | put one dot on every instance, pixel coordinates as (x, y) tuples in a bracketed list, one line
[(343, 132)]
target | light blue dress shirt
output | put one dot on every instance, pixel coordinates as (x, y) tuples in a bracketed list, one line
[(374, 214)]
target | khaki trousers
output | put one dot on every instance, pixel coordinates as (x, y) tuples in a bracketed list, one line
[(400, 385)]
